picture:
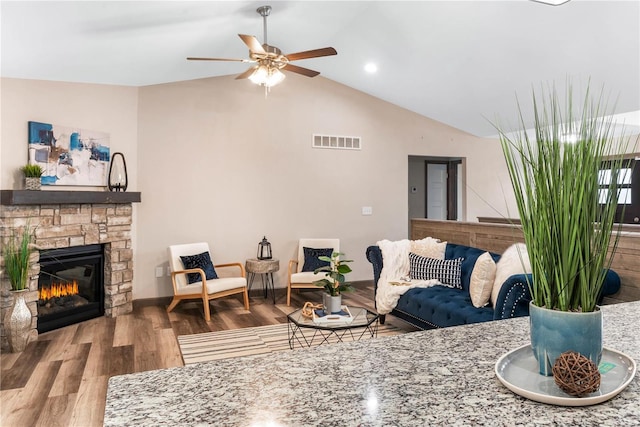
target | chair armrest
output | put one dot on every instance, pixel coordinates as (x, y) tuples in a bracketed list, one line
[(292, 263), (232, 264), (200, 271), (513, 298), (374, 255)]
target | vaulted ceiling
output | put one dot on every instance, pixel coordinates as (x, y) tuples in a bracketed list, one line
[(459, 62)]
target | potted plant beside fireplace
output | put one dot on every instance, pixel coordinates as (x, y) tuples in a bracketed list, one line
[(17, 321)]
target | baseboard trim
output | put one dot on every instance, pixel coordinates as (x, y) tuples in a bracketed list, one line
[(151, 302), (255, 292)]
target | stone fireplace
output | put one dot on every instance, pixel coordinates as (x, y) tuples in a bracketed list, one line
[(65, 219)]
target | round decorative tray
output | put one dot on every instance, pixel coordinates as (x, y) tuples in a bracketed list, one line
[(518, 371)]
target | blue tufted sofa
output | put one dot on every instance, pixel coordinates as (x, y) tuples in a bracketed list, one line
[(440, 306)]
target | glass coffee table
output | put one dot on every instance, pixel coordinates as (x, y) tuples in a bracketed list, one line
[(305, 332)]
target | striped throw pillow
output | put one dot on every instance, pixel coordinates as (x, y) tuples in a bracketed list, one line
[(446, 271)]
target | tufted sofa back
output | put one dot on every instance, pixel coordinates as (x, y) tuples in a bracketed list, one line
[(470, 256)]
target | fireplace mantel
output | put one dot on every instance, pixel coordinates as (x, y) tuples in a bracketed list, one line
[(31, 197)]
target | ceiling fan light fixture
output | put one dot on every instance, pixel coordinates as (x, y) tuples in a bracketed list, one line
[(260, 74), (266, 75)]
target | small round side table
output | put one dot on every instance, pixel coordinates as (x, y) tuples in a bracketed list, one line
[(266, 268)]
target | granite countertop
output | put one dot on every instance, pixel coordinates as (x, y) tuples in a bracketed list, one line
[(437, 377)]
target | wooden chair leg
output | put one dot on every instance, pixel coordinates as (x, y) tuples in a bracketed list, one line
[(173, 304), (207, 312), (289, 295), (246, 298)]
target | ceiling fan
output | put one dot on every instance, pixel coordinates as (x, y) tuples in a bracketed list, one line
[(270, 60)]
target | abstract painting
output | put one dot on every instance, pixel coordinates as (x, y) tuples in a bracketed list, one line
[(69, 156)]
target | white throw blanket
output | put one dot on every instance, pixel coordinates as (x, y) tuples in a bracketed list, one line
[(395, 261)]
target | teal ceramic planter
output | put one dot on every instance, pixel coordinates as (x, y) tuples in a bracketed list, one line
[(554, 332)]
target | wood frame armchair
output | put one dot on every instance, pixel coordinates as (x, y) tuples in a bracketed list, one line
[(206, 289), (299, 279)]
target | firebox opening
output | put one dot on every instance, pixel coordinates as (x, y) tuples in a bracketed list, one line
[(70, 286)]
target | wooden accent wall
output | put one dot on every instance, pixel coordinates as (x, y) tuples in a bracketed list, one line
[(498, 237)]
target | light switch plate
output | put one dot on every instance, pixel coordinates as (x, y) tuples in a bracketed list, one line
[(159, 271), (367, 210)]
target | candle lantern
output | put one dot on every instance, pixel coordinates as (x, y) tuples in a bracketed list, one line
[(118, 180), (264, 249)]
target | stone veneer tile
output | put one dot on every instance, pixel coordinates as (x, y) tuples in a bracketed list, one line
[(60, 226)]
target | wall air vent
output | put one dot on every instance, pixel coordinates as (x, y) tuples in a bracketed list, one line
[(337, 142)]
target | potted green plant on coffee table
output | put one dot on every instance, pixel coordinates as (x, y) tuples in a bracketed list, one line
[(334, 282)]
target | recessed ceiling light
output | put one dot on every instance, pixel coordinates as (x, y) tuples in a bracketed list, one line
[(371, 68), (552, 2)]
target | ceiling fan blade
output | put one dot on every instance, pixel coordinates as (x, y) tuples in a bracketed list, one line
[(246, 74), (218, 59), (316, 53), (253, 43), (304, 71)]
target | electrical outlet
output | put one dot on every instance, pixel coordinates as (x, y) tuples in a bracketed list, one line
[(159, 271)]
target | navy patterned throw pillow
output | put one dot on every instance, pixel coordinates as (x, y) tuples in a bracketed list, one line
[(311, 261), (446, 271), (202, 261)]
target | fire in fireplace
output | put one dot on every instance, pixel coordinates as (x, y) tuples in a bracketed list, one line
[(71, 286)]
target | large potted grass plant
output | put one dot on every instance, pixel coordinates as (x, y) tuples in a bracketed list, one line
[(17, 321), (567, 208)]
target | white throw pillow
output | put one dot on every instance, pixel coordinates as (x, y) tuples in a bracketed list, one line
[(429, 248), (482, 278), (515, 260)]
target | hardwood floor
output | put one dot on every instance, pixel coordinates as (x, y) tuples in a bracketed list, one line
[(61, 379)]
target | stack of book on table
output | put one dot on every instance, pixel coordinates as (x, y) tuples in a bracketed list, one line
[(343, 316)]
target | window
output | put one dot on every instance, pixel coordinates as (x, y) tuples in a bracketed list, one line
[(628, 196)]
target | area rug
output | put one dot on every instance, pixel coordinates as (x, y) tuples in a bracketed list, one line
[(211, 346)]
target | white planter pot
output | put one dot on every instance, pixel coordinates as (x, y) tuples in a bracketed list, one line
[(332, 304)]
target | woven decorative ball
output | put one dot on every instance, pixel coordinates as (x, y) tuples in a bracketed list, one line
[(575, 374)]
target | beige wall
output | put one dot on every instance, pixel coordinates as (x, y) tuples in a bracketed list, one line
[(112, 109), (217, 162), (220, 163)]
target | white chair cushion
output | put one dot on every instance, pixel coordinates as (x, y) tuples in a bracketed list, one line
[(215, 285), (306, 277)]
